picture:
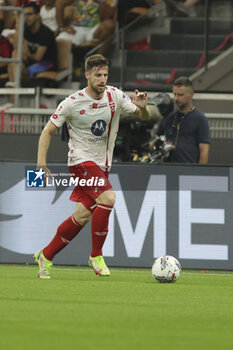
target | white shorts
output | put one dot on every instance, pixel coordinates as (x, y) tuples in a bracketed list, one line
[(81, 35)]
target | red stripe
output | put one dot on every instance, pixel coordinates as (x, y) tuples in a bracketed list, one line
[(221, 46), (218, 48), (201, 62), (12, 129), (172, 76), (111, 103), (2, 119), (144, 82), (202, 59)]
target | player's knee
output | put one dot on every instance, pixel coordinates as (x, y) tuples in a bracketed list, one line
[(82, 216), (84, 220), (108, 198)]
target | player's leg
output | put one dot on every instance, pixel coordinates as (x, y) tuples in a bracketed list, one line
[(99, 231), (105, 203), (66, 231), (99, 198)]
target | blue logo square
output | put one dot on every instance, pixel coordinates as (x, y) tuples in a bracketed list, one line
[(35, 178)]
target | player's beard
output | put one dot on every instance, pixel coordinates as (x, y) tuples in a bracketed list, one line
[(98, 90)]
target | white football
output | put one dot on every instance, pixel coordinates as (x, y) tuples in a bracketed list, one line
[(166, 269)]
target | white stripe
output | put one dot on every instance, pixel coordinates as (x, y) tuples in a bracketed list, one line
[(101, 206), (65, 240), (73, 219), (122, 269), (101, 233)]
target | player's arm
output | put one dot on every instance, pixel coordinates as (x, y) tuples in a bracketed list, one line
[(60, 6), (43, 146), (140, 99), (204, 153)]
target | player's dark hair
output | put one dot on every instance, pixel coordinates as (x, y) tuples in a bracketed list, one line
[(33, 5), (183, 81), (96, 61)]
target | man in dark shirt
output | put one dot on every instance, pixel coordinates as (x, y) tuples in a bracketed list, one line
[(186, 128), (39, 46), (40, 39)]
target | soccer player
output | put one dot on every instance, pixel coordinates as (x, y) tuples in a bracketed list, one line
[(92, 117)]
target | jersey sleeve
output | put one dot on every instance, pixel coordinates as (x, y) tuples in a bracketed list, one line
[(61, 114), (127, 106)]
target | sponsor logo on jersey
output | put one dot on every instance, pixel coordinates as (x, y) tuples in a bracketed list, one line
[(96, 139), (82, 111), (55, 116), (96, 105), (98, 127)]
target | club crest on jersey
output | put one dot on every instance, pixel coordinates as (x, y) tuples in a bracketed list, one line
[(98, 127)]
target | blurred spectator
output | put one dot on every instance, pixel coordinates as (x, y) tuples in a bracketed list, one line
[(39, 46), (180, 8), (2, 15), (131, 9), (22, 3), (5, 40), (92, 21), (8, 17), (48, 14)]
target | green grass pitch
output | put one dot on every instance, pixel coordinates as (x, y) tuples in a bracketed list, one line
[(128, 310)]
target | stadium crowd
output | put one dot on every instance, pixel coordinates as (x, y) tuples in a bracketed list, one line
[(83, 24)]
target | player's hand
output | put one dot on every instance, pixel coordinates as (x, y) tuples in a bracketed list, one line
[(140, 99)]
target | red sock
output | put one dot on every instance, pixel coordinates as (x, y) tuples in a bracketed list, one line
[(65, 233), (99, 228)]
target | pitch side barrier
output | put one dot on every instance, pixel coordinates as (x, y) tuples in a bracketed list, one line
[(24, 120), (181, 210), (32, 120), (36, 93)]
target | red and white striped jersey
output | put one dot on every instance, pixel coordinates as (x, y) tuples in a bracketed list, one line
[(92, 124)]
